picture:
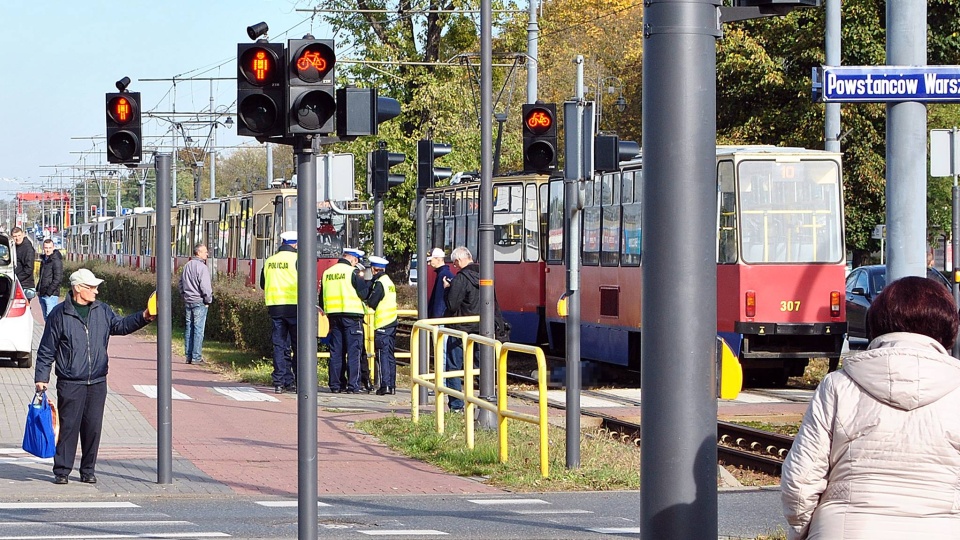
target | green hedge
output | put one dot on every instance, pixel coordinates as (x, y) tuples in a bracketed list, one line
[(237, 314)]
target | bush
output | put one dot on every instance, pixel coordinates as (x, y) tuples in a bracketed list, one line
[(237, 314)]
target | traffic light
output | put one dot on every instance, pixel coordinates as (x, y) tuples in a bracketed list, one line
[(609, 151), (539, 137), (360, 112), (123, 127), (311, 93), (260, 89), (379, 163), (427, 152)]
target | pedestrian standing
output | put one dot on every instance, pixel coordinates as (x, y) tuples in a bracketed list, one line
[(51, 274), (197, 294), (75, 342), (343, 293), (463, 299), (279, 283), (383, 300), (26, 257), (437, 305)]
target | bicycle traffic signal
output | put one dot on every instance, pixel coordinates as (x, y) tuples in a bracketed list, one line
[(123, 127), (379, 163), (539, 137), (260, 89), (311, 98), (427, 152)]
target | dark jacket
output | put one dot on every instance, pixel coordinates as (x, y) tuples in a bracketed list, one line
[(437, 307), (463, 297), (25, 257), (51, 274), (78, 348)]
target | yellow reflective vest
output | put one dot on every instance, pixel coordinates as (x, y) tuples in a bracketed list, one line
[(280, 279), (339, 296), (386, 313)]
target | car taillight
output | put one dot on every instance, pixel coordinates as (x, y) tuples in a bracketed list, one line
[(751, 303), (834, 303), (19, 305)]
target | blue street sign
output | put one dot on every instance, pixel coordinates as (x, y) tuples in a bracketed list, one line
[(882, 84)]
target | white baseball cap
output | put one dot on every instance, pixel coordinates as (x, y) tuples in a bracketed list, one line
[(84, 277), (437, 253)]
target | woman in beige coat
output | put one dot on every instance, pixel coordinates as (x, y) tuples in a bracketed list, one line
[(878, 453)]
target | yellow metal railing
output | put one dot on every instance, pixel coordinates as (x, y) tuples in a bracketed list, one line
[(436, 382)]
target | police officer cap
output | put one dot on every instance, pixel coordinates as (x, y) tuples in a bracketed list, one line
[(358, 253), (289, 237), (377, 262)]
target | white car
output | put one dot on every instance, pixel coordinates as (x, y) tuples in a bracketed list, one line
[(16, 317)]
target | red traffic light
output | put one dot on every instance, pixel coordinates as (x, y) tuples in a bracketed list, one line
[(313, 61), (538, 120), (122, 110), (259, 65)]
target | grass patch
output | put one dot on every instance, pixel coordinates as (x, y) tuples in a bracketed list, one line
[(604, 464), (790, 429)]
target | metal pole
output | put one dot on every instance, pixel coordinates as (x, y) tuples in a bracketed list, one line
[(533, 36), (173, 167), (501, 119), (306, 340), (378, 226), (213, 162), (164, 324), (269, 167), (955, 225), (906, 190), (678, 498), (831, 120), (485, 236), (422, 278)]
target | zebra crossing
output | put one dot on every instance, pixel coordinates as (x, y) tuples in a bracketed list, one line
[(236, 393)]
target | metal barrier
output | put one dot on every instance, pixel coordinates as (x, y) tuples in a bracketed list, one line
[(436, 382), (368, 336)]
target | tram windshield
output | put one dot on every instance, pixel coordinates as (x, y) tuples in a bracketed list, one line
[(790, 211)]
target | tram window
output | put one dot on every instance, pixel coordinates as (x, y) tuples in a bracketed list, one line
[(591, 236), (626, 189), (531, 224), (610, 234), (507, 223), (555, 223), (543, 198), (289, 213), (727, 234)]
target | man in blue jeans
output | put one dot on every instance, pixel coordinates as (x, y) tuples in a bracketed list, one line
[(197, 293)]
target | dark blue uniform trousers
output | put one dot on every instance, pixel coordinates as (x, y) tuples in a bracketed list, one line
[(284, 344), (80, 407), (346, 348), (384, 340)]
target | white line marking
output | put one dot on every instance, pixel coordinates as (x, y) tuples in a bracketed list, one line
[(46, 505), (97, 523), (244, 393), (113, 536), (285, 504), (151, 391), (550, 511), (401, 532), (616, 530), (507, 501)]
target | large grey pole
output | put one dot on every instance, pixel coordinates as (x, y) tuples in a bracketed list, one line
[(678, 497), (831, 120), (378, 227), (164, 324), (306, 340), (422, 268), (269, 167), (533, 37), (213, 162), (485, 236), (906, 147)]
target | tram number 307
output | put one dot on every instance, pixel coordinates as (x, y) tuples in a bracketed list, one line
[(790, 305)]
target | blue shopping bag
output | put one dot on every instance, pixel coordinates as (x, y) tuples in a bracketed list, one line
[(39, 438)]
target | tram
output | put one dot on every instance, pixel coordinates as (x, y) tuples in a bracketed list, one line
[(780, 257), (240, 232)]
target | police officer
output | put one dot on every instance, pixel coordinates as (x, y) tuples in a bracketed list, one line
[(279, 283), (343, 294), (383, 300)]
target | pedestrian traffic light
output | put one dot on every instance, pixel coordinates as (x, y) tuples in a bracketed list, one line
[(609, 151), (539, 137), (260, 92), (311, 93), (360, 112), (123, 127), (427, 152), (379, 163)]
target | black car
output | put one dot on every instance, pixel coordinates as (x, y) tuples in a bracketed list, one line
[(863, 285)]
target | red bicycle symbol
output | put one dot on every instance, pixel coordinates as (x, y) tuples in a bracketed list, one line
[(311, 59)]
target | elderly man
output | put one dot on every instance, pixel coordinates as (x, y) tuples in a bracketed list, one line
[(196, 291), (75, 339), (343, 294), (279, 283)]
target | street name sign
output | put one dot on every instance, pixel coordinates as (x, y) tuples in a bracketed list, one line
[(885, 84)]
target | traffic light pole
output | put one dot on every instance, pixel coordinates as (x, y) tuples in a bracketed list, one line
[(378, 224), (164, 323), (307, 478)]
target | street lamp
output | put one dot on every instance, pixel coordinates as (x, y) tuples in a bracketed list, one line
[(613, 84)]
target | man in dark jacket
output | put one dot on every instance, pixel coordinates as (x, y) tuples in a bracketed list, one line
[(437, 306), (75, 341), (26, 256), (51, 274), (463, 299)]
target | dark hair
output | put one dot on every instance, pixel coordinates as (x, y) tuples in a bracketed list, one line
[(918, 305)]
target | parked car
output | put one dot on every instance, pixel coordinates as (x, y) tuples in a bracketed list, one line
[(412, 271), (862, 286), (16, 318)]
